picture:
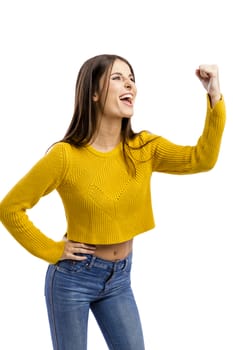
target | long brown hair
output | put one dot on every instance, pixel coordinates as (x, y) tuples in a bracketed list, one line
[(84, 122)]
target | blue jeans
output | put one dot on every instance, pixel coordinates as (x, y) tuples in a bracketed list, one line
[(72, 288)]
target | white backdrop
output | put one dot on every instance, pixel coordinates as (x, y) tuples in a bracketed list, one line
[(182, 272)]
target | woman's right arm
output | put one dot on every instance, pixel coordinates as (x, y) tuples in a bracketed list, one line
[(45, 176)]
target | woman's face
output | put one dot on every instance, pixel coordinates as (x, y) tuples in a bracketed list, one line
[(121, 92)]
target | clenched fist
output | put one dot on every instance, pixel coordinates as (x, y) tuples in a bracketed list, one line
[(209, 76)]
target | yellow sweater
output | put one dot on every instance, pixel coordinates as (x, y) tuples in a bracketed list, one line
[(103, 203)]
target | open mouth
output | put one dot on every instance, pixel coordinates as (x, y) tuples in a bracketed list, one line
[(127, 99)]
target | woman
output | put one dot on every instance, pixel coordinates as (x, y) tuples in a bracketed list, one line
[(102, 170)]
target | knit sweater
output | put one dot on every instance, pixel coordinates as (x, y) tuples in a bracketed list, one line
[(103, 202)]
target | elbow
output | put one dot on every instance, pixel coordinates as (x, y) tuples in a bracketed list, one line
[(207, 168), (204, 161), (6, 213), (207, 165), (3, 213)]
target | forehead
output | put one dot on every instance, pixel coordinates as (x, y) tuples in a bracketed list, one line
[(121, 67)]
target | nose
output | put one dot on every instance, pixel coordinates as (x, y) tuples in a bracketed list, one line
[(128, 84)]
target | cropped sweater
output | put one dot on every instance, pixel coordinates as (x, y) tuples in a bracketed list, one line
[(103, 203)]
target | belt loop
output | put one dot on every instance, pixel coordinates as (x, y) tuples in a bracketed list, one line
[(91, 263), (126, 264), (128, 260), (114, 267)]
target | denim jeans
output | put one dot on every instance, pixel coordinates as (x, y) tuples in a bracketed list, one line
[(72, 288)]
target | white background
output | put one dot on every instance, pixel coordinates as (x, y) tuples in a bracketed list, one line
[(182, 273)]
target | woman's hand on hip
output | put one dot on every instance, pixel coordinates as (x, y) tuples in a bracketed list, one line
[(74, 250)]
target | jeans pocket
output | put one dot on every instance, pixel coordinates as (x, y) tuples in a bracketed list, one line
[(71, 266)]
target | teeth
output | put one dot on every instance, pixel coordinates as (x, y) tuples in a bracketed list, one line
[(126, 96)]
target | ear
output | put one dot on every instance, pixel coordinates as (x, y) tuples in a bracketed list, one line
[(95, 97)]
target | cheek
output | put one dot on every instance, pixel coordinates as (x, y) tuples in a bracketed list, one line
[(106, 104), (112, 97), (135, 91)]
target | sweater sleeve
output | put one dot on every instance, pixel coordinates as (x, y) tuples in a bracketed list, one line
[(170, 158), (44, 177)]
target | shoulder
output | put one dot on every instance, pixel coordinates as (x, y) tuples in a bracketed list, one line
[(56, 158), (59, 146), (143, 138), (59, 150)]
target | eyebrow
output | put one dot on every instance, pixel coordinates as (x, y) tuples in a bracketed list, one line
[(130, 75)]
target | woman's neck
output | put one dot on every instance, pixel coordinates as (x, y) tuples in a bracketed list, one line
[(106, 140), (108, 135), (105, 144)]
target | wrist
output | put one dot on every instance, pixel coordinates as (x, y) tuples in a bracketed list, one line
[(214, 98)]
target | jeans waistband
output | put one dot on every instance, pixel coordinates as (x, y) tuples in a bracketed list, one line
[(107, 264)]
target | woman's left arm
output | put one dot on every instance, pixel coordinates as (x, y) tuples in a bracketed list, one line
[(176, 159)]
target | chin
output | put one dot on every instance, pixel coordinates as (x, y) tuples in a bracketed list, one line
[(128, 116)]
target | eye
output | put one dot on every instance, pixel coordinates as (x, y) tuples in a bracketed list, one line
[(116, 77)]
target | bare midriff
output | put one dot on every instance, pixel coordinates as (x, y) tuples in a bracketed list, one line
[(114, 252)]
